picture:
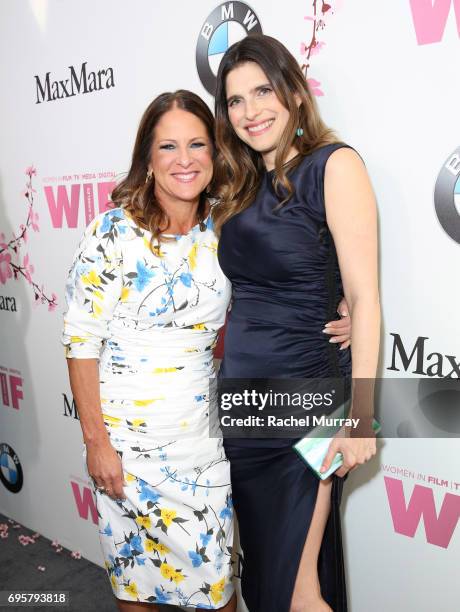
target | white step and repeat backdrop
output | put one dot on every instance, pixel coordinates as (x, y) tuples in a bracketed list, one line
[(76, 77)]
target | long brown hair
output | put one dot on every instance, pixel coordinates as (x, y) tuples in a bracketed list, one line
[(136, 193), (238, 168)]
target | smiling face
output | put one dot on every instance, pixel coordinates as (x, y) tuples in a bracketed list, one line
[(255, 112), (181, 157)]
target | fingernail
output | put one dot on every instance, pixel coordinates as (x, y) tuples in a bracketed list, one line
[(327, 325), (332, 340), (344, 314), (325, 331)]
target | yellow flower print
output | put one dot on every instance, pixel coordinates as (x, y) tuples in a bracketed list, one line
[(110, 420), (92, 278), (217, 590), (78, 339), (129, 477), (149, 545), (146, 402), (167, 516), (113, 580), (178, 577), (192, 256), (167, 571), (137, 422), (164, 370), (184, 424), (162, 549), (124, 294), (144, 521), (199, 326), (98, 294), (97, 310), (131, 589)]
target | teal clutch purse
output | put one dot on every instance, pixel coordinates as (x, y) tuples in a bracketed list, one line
[(313, 448)]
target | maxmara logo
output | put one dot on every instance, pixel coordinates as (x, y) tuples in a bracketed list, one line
[(226, 25), (419, 359), (79, 81)]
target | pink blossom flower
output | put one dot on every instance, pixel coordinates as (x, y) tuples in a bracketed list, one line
[(54, 543), (5, 270), (28, 269), (34, 221), (41, 568), (75, 554), (31, 171), (317, 48), (314, 86), (3, 534)]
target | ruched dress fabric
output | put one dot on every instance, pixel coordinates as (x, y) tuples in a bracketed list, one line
[(286, 285), (152, 319)]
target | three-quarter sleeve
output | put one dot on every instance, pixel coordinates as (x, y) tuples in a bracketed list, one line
[(93, 289)]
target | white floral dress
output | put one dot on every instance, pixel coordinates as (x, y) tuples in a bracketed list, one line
[(152, 320)]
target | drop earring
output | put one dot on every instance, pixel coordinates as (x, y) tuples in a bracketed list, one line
[(299, 131), (149, 175)]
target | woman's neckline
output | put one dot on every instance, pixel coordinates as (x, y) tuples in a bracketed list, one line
[(190, 231)]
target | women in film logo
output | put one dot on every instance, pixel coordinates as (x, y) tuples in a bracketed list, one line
[(447, 196)]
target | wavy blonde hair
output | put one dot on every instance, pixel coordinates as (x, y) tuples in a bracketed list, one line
[(136, 193), (238, 168)]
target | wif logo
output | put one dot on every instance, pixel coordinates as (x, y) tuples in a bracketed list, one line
[(66, 194), (430, 18)]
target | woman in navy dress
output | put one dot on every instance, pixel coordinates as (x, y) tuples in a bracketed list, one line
[(297, 222)]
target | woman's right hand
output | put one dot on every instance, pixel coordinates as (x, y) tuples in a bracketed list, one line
[(104, 467)]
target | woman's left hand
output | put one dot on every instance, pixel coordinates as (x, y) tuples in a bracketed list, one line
[(340, 330), (355, 451)]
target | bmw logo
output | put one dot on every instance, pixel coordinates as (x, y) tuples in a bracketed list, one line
[(226, 25), (10, 469), (447, 196)]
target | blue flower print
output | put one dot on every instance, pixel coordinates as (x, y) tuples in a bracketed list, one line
[(161, 596), (186, 279), (148, 493), (125, 551), (107, 530), (205, 537), (136, 543), (110, 218), (196, 558), (143, 275)]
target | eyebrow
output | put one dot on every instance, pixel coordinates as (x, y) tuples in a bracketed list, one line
[(254, 89), (175, 141)]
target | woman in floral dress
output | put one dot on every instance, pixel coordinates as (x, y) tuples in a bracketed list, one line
[(146, 297)]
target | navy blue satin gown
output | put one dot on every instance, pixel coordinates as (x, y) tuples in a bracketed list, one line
[(286, 285)]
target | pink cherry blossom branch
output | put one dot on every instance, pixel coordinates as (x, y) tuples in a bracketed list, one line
[(314, 46), (8, 268)]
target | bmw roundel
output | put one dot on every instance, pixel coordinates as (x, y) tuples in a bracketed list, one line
[(226, 25), (10, 469)]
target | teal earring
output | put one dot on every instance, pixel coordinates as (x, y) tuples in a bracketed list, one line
[(299, 131)]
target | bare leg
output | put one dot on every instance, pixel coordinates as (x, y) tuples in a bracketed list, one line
[(136, 606), (307, 592), (230, 606)]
